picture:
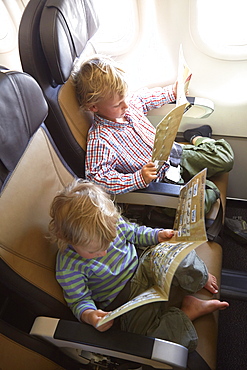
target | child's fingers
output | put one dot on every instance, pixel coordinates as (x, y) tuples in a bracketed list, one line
[(106, 326), (150, 165)]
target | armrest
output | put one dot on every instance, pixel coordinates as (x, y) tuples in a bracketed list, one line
[(114, 343), (200, 107), (156, 194)]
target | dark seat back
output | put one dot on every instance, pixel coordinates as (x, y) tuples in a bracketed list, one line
[(17, 124), (52, 35)]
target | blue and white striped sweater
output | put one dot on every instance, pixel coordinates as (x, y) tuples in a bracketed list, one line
[(86, 281)]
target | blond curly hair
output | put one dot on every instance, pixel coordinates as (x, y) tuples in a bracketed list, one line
[(83, 213), (98, 78)]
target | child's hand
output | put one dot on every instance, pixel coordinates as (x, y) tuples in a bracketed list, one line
[(165, 234), (149, 172), (93, 316)]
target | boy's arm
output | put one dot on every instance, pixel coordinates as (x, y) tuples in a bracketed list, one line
[(143, 235), (78, 298), (155, 98), (100, 168), (139, 235)]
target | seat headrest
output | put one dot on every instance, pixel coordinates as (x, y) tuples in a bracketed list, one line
[(65, 28), (22, 110)]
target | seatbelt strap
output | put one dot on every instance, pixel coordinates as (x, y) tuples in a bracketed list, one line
[(196, 362), (214, 229)]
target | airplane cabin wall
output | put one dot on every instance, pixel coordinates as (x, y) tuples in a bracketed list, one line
[(10, 16), (222, 81)]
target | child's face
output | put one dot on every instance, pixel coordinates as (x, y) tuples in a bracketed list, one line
[(94, 250), (111, 108)]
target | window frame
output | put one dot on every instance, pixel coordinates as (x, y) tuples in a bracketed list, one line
[(224, 52), (124, 43)]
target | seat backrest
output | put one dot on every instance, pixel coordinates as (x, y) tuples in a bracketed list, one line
[(53, 34), (17, 124), (27, 261)]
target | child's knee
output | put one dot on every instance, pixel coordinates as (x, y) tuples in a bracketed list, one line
[(229, 164), (226, 155)]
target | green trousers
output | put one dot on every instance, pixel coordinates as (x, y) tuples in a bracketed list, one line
[(165, 320), (215, 155)]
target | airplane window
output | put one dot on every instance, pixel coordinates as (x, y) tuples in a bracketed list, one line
[(10, 16), (219, 28), (129, 29), (118, 26), (7, 30)]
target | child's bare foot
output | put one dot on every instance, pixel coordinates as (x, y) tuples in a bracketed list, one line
[(211, 285), (194, 307)]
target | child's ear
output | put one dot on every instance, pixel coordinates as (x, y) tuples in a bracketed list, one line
[(93, 108)]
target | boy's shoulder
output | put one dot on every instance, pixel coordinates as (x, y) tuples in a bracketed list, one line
[(99, 132)]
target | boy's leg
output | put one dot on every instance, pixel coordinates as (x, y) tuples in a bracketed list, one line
[(142, 279), (192, 274), (155, 320), (215, 155), (161, 319)]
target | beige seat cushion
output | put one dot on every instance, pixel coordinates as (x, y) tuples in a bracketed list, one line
[(207, 326), (24, 207), (78, 121), (17, 356)]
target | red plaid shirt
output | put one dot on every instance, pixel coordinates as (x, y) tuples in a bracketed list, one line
[(116, 152)]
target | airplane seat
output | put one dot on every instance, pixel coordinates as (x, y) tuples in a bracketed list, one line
[(52, 35), (17, 125), (30, 293)]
